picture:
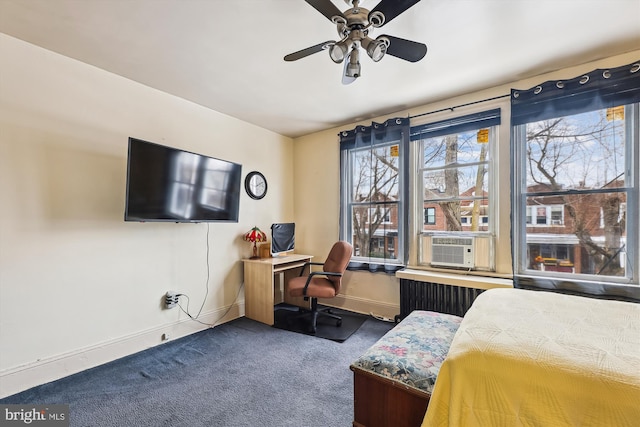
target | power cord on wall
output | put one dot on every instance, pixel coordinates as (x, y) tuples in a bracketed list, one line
[(176, 297), (215, 323)]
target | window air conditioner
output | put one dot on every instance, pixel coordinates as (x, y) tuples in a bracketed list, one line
[(452, 252)]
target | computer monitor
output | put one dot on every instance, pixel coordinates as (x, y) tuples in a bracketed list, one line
[(282, 238)]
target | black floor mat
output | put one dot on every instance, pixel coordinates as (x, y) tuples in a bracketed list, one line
[(325, 326)]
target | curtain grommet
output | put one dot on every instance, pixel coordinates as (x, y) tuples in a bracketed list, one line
[(560, 84), (537, 90), (635, 68), (606, 74), (584, 79)]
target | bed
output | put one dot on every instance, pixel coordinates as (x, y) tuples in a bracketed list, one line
[(535, 358)]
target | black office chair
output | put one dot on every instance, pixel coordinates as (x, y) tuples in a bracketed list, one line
[(322, 284)]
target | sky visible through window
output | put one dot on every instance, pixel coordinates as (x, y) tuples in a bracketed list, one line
[(583, 150)]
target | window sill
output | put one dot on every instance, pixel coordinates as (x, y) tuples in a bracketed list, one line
[(468, 279)]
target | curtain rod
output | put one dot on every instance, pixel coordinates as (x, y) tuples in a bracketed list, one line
[(459, 106)]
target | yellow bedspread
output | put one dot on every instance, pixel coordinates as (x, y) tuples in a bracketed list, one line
[(533, 358)]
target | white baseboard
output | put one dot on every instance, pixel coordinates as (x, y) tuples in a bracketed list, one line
[(15, 380)]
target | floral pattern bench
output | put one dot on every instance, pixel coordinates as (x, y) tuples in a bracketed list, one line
[(394, 378)]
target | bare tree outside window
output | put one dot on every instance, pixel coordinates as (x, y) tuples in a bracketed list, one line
[(579, 162), (375, 193), (451, 208), (455, 179)]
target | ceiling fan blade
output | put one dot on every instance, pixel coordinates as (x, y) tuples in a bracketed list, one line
[(308, 51), (405, 49), (326, 8), (392, 8)]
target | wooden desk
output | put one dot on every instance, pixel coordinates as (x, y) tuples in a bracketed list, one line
[(265, 285)]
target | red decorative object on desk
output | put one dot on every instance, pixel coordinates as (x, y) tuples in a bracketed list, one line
[(255, 235)]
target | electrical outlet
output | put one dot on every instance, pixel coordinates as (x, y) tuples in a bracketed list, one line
[(171, 299)]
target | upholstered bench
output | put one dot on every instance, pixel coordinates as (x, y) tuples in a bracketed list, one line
[(394, 378)]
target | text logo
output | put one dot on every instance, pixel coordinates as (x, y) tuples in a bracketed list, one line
[(34, 415)]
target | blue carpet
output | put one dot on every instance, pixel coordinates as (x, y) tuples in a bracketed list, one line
[(242, 373)]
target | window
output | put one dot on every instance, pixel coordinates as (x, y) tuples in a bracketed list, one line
[(576, 182), (557, 215), (544, 215), (379, 215), (430, 216), (541, 215), (580, 162), (455, 176), (373, 216)]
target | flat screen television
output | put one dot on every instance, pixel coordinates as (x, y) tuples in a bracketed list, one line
[(283, 238), (172, 185)]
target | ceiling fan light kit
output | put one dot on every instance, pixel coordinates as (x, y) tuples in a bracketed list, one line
[(353, 26), (353, 67), (376, 48), (338, 52)]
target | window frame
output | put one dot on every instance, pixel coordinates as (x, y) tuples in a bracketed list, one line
[(349, 204), (519, 206), (393, 133), (428, 216), (474, 121)]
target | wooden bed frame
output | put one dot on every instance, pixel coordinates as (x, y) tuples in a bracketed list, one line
[(383, 402)]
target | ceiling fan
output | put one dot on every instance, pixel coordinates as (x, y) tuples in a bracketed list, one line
[(353, 27)]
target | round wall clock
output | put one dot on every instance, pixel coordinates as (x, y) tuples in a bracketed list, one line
[(256, 185)]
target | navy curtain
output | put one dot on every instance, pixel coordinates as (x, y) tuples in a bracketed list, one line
[(395, 130), (461, 124), (598, 89)]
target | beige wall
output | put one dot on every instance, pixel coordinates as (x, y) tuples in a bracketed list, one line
[(78, 285), (316, 160)]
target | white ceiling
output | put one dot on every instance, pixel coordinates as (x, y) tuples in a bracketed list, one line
[(228, 54)]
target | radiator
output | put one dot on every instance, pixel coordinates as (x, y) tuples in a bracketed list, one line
[(448, 299)]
